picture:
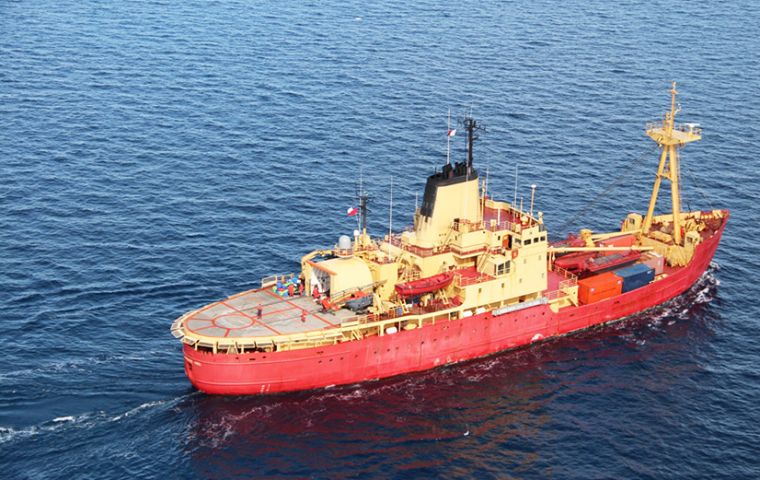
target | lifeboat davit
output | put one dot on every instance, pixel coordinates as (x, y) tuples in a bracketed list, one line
[(424, 285)]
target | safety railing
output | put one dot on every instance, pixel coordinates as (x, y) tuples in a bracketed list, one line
[(272, 279), (500, 226), (691, 128)]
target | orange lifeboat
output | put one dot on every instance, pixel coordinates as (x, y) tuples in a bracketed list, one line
[(424, 285)]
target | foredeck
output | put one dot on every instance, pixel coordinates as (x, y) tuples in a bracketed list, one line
[(238, 316)]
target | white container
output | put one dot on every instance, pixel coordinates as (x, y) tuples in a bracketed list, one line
[(655, 261)]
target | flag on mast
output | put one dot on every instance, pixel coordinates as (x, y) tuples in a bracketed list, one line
[(352, 211), (452, 132)]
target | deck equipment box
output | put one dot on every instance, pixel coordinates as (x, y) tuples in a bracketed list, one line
[(635, 276), (654, 260), (599, 287)]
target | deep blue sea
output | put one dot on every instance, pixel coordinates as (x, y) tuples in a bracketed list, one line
[(156, 156)]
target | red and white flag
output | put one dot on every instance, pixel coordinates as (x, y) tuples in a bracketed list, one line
[(352, 211), (452, 132)]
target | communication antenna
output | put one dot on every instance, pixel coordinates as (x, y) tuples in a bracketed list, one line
[(449, 133), (514, 200), (485, 194), (390, 221), (363, 198)]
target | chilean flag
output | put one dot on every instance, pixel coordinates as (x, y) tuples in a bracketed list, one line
[(352, 211), (452, 132)]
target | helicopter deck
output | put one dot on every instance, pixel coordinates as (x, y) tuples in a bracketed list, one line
[(238, 316)]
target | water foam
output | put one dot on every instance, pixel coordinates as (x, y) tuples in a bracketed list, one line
[(85, 420)]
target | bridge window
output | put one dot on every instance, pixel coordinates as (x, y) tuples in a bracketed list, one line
[(503, 268)]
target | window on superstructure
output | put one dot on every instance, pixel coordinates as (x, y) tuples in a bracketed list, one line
[(503, 268), (528, 242)]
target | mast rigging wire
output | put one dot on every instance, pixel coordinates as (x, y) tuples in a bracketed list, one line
[(608, 189)]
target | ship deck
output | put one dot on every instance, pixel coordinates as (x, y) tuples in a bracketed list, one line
[(237, 316)]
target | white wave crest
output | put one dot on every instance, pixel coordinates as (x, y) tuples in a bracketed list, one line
[(85, 420)]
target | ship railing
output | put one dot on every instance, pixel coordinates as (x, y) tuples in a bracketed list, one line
[(463, 281), (352, 328), (494, 226), (270, 280), (343, 295), (691, 128), (396, 241), (464, 226), (554, 295), (564, 273)]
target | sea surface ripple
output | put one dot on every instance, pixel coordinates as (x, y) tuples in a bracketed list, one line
[(160, 155)]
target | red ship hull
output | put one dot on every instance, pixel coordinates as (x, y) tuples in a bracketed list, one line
[(428, 347)]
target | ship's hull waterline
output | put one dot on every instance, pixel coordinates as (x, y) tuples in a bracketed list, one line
[(425, 348)]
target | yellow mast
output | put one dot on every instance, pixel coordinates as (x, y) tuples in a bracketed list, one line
[(669, 137)]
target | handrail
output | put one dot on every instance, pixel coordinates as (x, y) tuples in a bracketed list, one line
[(272, 279), (325, 334), (500, 226), (692, 128), (340, 296)]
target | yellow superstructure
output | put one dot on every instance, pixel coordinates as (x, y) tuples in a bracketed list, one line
[(496, 254)]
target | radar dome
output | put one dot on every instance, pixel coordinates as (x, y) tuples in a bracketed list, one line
[(344, 242)]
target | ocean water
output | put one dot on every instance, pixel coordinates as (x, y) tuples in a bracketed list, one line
[(160, 155)]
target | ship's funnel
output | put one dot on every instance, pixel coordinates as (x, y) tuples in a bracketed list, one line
[(450, 194)]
